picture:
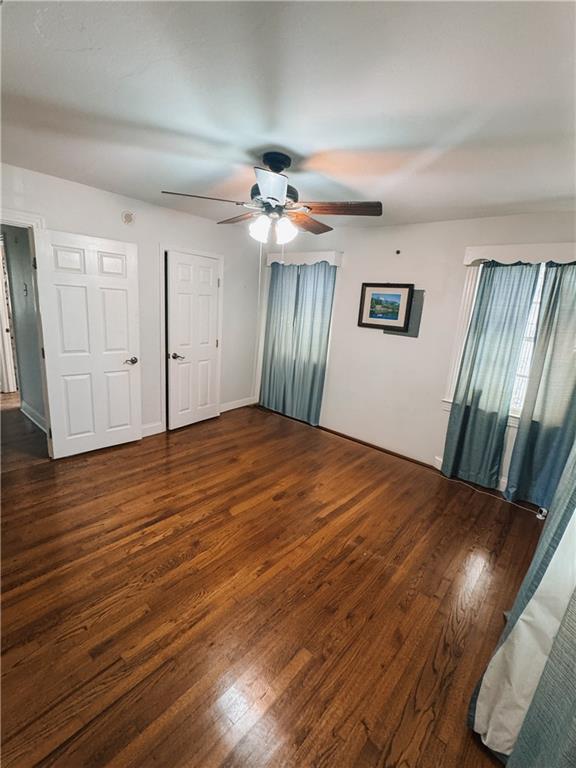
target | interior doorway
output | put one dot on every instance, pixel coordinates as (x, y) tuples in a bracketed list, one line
[(22, 395)]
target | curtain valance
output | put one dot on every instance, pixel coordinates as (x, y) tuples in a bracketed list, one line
[(527, 253), (298, 258)]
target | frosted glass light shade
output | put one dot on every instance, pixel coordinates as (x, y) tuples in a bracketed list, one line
[(260, 228), (285, 231)]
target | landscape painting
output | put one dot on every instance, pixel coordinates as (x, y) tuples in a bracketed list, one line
[(386, 306)]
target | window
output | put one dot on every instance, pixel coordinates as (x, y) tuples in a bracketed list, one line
[(521, 380)]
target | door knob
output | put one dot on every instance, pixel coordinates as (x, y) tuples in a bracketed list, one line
[(131, 361), (176, 356)]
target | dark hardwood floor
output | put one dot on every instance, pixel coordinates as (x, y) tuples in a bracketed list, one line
[(23, 443), (247, 592)]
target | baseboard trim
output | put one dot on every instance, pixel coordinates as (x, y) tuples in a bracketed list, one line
[(435, 468), (238, 404), (33, 415), (153, 429), (377, 448), (344, 436)]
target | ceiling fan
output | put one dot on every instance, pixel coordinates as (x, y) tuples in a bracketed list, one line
[(274, 205)]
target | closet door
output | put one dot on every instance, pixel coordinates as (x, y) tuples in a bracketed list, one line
[(88, 294), (193, 338)]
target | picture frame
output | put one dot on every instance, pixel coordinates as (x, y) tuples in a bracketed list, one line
[(386, 306)]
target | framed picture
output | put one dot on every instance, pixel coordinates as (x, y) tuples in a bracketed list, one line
[(386, 306)]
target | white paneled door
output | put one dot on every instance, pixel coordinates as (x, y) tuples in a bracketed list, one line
[(193, 338), (88, 293)]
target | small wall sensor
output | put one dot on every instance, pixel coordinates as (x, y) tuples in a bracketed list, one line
[(397, 253), (127, 217)]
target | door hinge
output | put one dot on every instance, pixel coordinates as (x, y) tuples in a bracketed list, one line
[(217, 343), (34, 263), (219, 283), (43, 353), (50, 432)]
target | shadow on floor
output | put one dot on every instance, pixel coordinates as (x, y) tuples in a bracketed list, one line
[(23, 443)]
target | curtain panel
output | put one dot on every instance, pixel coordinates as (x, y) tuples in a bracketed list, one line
[(547, 428), (296, 341), (548, 733), (481, 403), (524, 708)]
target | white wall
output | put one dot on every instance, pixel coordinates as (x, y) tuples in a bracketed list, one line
[(383, 389), (388, 390), (72, 207), (25, 321)]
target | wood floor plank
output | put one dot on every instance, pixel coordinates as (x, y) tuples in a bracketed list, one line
[(246, 592)]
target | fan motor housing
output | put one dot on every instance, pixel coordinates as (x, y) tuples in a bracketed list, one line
[(291, 193), (276, 161)]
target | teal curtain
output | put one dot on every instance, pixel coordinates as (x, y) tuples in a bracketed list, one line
[(547, 428), (547, 732), (561, 511), (296, 342), (481, 403)]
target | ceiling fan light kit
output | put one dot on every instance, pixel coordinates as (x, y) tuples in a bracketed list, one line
[(274, 205), (285, 231), (260, 228)]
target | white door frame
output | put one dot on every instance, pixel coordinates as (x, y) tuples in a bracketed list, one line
[(36, 226), (164, 314), (7, 343)]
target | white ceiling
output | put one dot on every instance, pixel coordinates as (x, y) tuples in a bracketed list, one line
[(441, 110)]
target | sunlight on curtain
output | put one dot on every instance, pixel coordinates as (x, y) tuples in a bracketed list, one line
[(481, 403), (547, 429), (296, 342)]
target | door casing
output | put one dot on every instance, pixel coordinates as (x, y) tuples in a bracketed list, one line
[(7, 342), (36, 226)]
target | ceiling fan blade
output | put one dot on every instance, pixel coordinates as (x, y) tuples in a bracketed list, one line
[(272, 185), (235, 219), (308, 224), (360, 208), (201, 197)]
